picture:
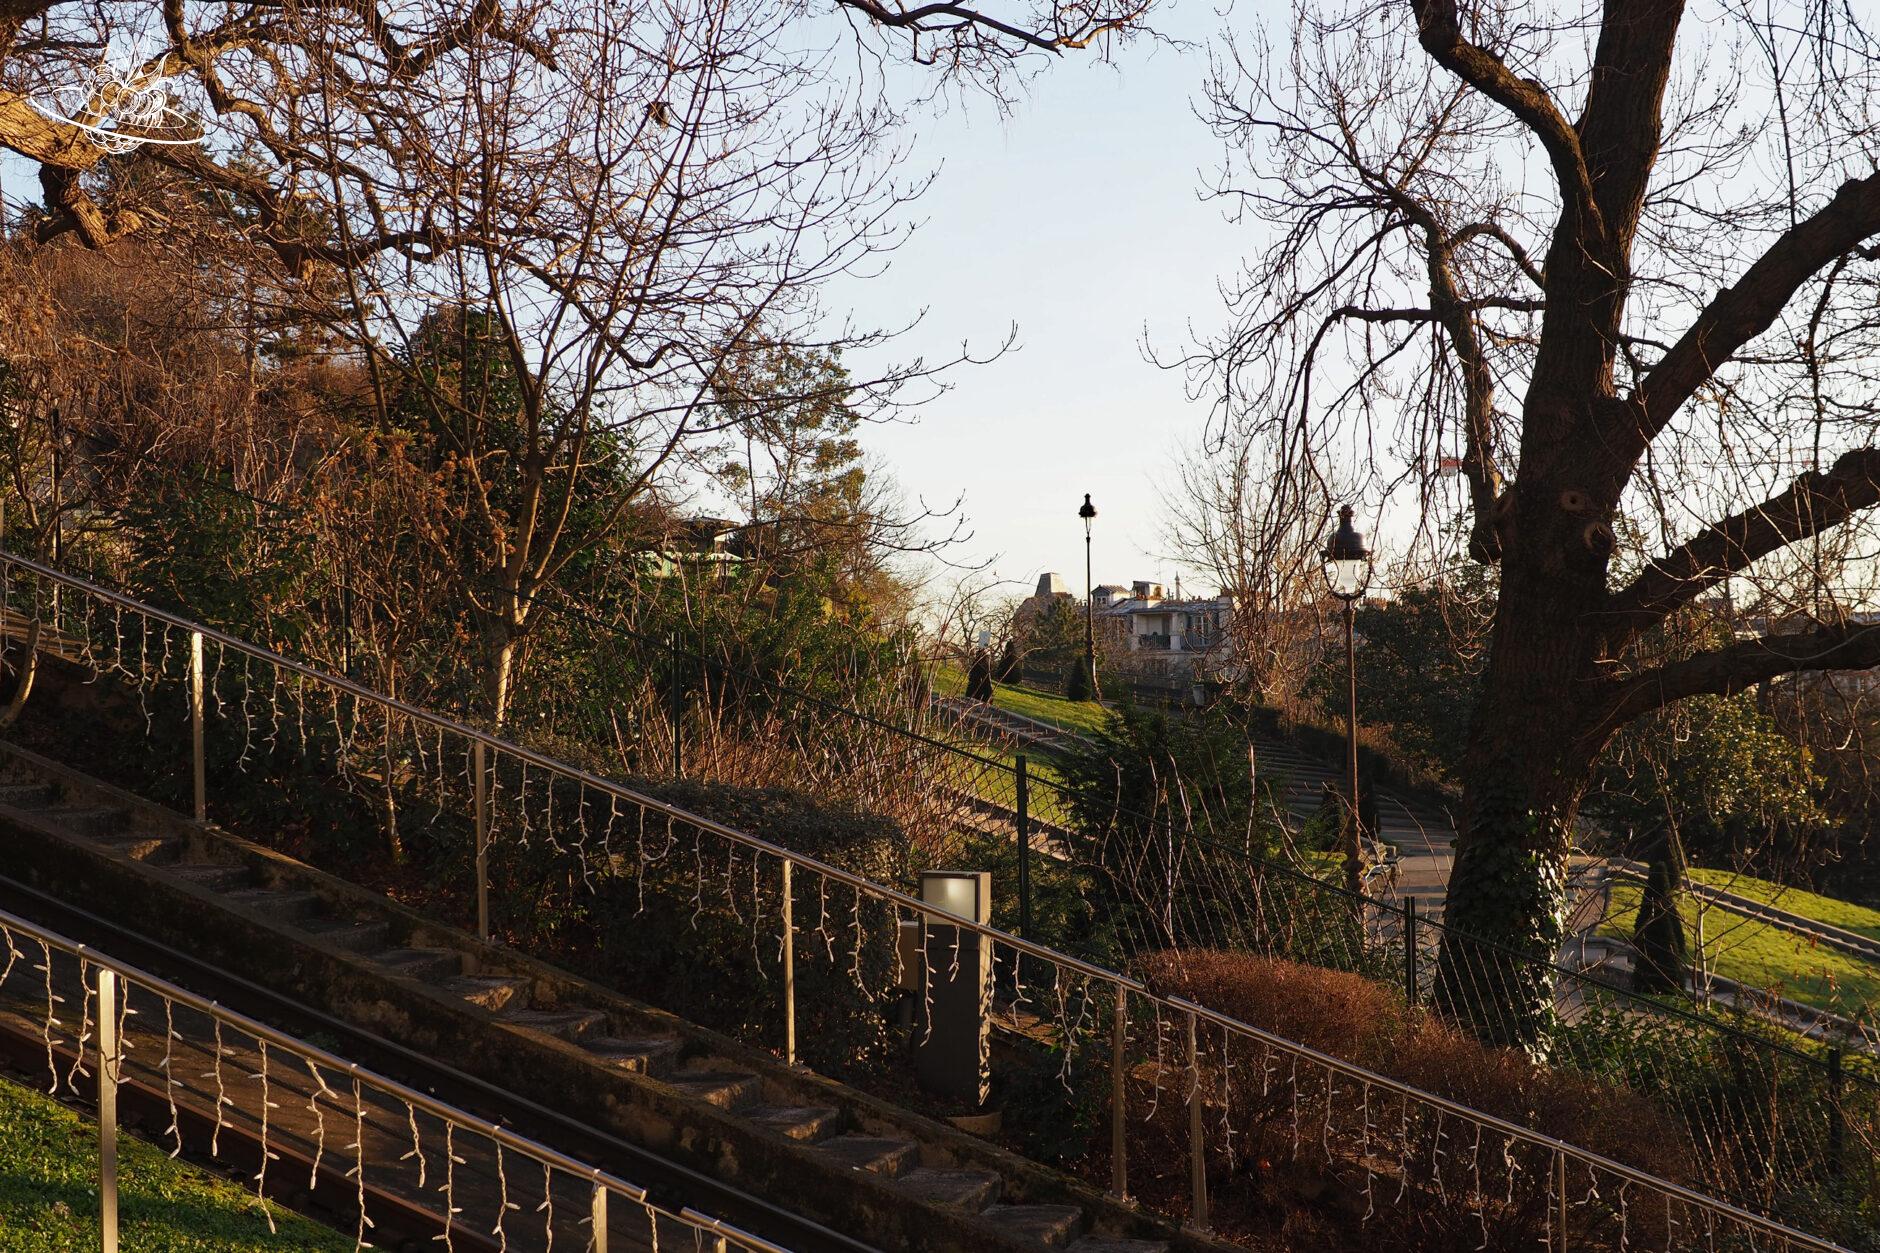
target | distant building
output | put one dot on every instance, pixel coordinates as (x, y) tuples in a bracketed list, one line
[(1163, 638), (1140, 629), (694, 547)]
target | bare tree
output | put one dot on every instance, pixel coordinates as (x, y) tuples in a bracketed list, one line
[(1246, 517), (1616, 259), (544, 227)]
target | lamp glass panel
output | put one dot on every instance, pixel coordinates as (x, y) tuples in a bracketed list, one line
[(950, 894), (1348, 575)]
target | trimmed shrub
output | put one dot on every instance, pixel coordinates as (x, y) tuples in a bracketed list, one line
[(1310, 1155)]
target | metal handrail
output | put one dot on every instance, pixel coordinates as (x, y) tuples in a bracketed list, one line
[(367, 1078), (901, 900)]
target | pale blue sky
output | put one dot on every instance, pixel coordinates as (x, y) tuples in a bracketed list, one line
[(1077, 218)]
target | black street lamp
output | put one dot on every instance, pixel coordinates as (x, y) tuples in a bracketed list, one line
[(1087, 512), (1348, 572)]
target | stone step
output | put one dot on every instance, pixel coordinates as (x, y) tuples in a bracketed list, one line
[(91, 821), (715, 1080), (28, 795), (967, 1190), (434, 965), (350, 934), (143, 845), (215, 876), (1053, 1226), (798, 1122), (493, 992), (1115, 1244), (652, 1056), (877, 1154), (727, 1089), (275, 902), (564, 1024)]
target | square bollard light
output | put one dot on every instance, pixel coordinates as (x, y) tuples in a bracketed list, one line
[(953, 1026)]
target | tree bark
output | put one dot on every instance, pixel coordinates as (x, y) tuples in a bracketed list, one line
[(1527, 765)]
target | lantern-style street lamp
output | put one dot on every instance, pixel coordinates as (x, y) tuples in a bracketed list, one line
[(1087, 512), (1348, 573)]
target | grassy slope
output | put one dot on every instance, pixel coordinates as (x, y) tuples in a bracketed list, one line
[(1836, 913), (1081, 716), (49, 1193), (1047, 795), (1762, 956)]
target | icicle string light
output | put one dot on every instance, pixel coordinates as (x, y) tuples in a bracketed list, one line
[(261, 1175), (417, 1149), (84, 1028), (170, 1082), (319, 1122)]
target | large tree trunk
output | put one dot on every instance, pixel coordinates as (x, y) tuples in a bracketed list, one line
[(1528, 763)]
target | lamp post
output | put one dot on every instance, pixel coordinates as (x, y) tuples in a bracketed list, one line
[(1087, 512), (1348, 572)]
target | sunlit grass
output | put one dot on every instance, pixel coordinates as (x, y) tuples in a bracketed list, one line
[(1836, 913), (1761, 956), (1085, 717), (49, 1193)]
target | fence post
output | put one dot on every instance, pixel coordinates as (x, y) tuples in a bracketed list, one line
[(1119, 1096), (109, 1061), (1197, 1141), (598, 1218), (1837, 1125), (479, 766), (675, 708), (195, 726), (1022, 779), (1410, 951), (789, 970), (1560, 1186)]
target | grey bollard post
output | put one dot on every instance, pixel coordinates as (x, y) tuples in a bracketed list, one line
[(953, 1041)]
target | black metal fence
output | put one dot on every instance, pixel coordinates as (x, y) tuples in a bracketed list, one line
[(1787, 1127)]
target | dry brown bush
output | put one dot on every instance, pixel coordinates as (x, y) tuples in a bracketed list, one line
[(1289, 1144)]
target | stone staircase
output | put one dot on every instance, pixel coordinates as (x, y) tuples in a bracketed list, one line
[(837, 1155), (1413, 829)]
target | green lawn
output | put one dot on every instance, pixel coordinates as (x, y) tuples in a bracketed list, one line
[(49, 1193), (1046, 800), (1081, 716), (1836, 913), (1762, 956)]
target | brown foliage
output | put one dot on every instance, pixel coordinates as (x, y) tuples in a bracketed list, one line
[(1290, 1140)]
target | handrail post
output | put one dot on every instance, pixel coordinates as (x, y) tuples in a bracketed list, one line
[(1560, 1186), (198, 771), (1021, 779), (1410, 951), (109, 1063), (597, 1219), (1837, 1125), (789, 970), (1197, 1156), (479, 767), (1119, 1096), (675, 709)]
